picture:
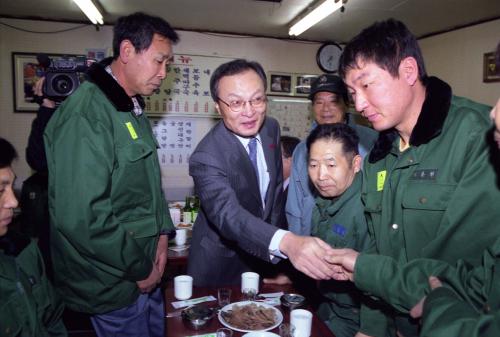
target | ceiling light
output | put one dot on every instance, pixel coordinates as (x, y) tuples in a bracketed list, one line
[(315, 16), (90, 10)]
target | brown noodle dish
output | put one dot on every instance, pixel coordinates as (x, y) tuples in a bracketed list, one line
[(250, 317)]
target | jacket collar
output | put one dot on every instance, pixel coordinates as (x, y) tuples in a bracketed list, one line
[(13, 243), (330, 206), (429, 123), (98, 75)]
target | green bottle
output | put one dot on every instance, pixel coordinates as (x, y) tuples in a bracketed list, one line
[(186, 212), (195, 209)]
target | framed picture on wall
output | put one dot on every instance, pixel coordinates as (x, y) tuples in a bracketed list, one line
[(279, 83), (25, 73), (491, 71), (302, 84)]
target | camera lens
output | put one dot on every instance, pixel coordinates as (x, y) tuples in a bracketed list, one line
[(63, 84)]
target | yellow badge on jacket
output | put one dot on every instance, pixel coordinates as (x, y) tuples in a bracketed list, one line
[(131, 130), (381, 180)]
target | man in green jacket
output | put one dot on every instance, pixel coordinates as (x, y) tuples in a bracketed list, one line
[(29, 306), (427, 186), (334, 166), (108, 213)]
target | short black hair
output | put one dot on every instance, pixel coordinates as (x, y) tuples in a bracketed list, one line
[(234, 67), (7, 153), (386, 43), (140, 28), (288, 143), (339, 132)]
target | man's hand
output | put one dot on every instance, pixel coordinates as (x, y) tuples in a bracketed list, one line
[(280, 279), (495, 117), (146, 285), (416, 311), (360, 334), (161, 254), (38, 91), (307, 255), (344, 261)]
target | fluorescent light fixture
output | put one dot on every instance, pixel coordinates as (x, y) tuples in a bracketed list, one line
[(90, 10), (315, 16)]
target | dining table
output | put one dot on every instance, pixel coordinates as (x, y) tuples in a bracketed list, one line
[(176, 327)]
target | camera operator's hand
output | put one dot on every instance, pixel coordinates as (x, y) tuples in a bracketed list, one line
[(39, 96)]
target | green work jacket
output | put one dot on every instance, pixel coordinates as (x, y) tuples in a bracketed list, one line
[(29, 305), (341, 223), (435, 199), (106, 203), (468, 304)]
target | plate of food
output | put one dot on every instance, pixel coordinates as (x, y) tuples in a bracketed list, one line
[(249, 316)]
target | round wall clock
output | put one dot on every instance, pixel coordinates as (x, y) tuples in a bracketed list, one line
[(328, 57)]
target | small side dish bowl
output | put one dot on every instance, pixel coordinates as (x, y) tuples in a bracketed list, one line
[(197, 316), (292, 301)]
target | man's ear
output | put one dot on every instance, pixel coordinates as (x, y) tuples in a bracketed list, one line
[(127, 50), (217, 107), (356, 163), (408, 70)]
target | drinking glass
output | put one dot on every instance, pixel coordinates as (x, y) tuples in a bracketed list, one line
[(287, 330), (224, 296), (224, 332)]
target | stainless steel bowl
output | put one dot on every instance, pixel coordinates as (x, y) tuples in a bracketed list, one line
[(197, 316), (292, 301)]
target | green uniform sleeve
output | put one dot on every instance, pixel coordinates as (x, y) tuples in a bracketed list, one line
[(52, 317), (446, 315), (83, 210)]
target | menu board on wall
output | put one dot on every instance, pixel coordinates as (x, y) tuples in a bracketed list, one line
[(293, 114), (186, 89)]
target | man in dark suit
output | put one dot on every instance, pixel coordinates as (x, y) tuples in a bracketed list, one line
[(238, 176)]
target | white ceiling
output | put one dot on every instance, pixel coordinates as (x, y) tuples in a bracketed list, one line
[(271, 19)]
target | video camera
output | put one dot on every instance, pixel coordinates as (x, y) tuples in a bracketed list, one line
[(64, 75)]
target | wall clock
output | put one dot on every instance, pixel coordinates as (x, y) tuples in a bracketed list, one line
[(328, 57)]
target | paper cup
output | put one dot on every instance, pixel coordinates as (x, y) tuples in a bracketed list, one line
[(301, 320), (183, 287), (250, 282), (180, 237)]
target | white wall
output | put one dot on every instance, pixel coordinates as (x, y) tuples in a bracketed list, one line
[(457, 58), (273, 54)]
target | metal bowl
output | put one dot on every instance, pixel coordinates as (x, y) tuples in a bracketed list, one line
[(197, 316), (292, 301)]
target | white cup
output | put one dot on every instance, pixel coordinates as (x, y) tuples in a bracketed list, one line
[(180, 236), (250, 282), (301, 320), (183, 287), (175, 214)]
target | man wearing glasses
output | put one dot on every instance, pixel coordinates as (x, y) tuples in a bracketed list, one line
[(237, 172)]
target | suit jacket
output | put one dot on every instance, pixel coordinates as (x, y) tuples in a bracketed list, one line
[(232, 232)]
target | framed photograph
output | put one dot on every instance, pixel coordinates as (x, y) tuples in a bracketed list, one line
[(280, 84), (302, 84), (25, 73), (491, 70)]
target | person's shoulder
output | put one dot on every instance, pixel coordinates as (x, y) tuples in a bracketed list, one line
[(463, 107)]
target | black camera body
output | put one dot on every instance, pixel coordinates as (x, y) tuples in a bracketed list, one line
[(63, 76)]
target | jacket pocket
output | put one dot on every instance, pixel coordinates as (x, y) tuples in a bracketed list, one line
[(432, 197), (141, 228), (137, 151), (9, 322)]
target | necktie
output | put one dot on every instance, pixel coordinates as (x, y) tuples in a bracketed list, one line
[(252, 153)]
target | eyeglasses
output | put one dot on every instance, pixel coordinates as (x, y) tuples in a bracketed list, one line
[(238, 105)]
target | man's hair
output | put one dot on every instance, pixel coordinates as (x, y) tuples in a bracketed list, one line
[(384, 43), (140, 28), (288, 143), (338, 132), (7, 153), (234, 67)]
